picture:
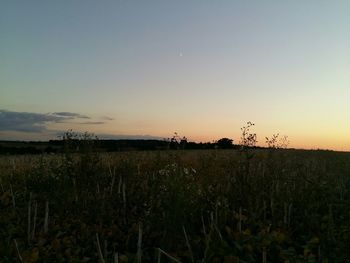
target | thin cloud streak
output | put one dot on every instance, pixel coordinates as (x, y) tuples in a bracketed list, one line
[(106, 118), (12, 121), (71, 115), (93, 122)]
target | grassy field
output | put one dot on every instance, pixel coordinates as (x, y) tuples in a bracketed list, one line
[(176, 206)]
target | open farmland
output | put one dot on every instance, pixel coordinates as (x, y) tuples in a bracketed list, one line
[(176, 206)]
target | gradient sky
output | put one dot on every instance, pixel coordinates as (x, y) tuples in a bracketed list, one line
[(201, 68)]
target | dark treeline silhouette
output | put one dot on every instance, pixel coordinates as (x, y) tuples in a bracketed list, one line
[(79, 142), (58, 146)]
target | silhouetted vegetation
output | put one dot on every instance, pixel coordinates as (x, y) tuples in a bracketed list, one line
[(209, 206), (87, 204), (225, 143), (57, 146)]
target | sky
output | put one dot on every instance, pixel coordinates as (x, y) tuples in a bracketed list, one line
[(200, 68)]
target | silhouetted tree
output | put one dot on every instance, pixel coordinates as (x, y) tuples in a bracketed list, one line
[(225, 143)]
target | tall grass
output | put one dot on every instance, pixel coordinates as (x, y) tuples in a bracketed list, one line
[(176, 206)]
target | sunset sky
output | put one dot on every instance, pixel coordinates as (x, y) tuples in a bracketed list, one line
[(201, 68)]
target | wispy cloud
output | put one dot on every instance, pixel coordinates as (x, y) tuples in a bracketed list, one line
[(36, 126), (70, 115), (106, 118), (93, 122), (26, 121), (37, 122)]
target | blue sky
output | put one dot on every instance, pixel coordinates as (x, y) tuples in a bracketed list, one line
[(202, 68)]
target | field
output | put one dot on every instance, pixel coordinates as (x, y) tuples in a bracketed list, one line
[(176, 206)]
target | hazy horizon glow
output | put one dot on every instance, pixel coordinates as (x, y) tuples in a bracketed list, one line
[(200, 68)]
